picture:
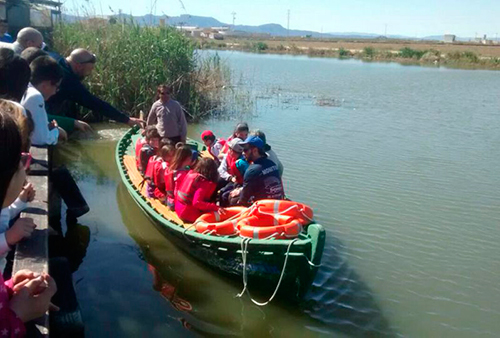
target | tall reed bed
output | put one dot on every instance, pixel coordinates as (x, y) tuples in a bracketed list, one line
[(134, 60)]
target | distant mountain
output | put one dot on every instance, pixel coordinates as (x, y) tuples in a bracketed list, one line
[(272, 29)]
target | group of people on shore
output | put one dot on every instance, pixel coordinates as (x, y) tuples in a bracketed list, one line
[(236, 171), (40, 92)]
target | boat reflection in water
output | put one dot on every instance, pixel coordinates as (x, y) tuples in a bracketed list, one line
[(204, 301)]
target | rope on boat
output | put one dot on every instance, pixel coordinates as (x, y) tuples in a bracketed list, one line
[(244, 247), (311, 263), (186, 230)]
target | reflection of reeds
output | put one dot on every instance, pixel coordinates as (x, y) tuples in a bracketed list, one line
[(134, 60)]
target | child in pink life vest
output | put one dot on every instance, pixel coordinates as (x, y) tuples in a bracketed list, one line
[(193, 195), (213, 144), (177, 170)]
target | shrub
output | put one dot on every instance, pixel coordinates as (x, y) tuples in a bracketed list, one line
[(469, 57), (134, 60), (260, 46), (368, 52), (409, 53), (344, 52)]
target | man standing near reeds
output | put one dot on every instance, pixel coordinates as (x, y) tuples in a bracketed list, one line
[(77, 66), (167, 115)]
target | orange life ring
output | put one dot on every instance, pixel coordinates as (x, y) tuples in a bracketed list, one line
[(299, 211), (220, 224), (264, 220), (289, 230)]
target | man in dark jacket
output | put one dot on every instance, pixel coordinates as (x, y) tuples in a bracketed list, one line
[(262, 178), (76, 67)]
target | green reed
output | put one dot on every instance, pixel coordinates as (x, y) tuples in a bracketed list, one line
[(133, 60)]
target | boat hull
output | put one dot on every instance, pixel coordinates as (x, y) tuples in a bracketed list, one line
[(264, 258)]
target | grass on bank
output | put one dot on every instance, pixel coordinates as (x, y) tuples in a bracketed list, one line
[(134, 60), (466, 59)]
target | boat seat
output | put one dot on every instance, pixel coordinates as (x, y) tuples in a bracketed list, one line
[(136, 178)]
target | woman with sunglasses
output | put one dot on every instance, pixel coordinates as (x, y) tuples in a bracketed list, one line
[(27, 295)]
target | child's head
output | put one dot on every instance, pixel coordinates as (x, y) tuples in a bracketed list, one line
[(167, 150), (182, 157), (153, 137), (46, 75), (235, 148), (31, 53), (25, 123), (12, 174), (207, 167), (241, 131), (14, 75), (208, 138)]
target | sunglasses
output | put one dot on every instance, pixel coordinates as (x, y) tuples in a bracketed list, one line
[(26, 160), (93, 59)]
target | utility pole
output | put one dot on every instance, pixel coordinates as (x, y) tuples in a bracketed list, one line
[(288, 24), (234, 18)]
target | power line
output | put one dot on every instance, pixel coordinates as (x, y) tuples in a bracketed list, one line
[(234, 18), (288, 24)]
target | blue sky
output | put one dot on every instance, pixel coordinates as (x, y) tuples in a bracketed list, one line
[(411, 18)]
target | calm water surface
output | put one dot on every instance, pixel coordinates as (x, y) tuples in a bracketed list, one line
[(400, 164)]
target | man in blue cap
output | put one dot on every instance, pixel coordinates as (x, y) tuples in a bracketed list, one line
[(262, 178)]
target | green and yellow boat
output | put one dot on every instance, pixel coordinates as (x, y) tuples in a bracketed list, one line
[(287, 264)]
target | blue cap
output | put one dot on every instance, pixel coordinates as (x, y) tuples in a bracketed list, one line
[(253, 141)]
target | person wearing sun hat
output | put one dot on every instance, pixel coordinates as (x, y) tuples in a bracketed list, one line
[(262, 178)]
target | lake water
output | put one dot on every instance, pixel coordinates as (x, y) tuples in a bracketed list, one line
[(400, 164)]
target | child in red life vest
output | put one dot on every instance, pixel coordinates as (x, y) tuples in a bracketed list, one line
[(213, 144), (177, 170), (148, 149), (138, 146), (154, 163), (228, 171), (166, 154), (193, 194), (240, 131)]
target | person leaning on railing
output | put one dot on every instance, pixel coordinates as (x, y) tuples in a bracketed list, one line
[(77, 66), (68, 124)]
